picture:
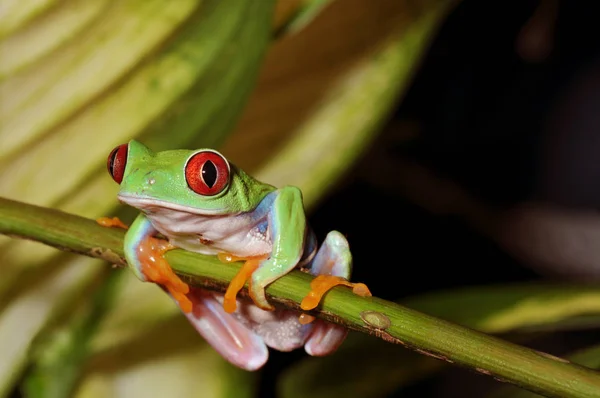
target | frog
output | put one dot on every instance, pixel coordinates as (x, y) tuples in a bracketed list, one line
[(198, 201)]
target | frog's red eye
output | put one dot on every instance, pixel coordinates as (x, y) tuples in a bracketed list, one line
[(116, 162), (207, 173)]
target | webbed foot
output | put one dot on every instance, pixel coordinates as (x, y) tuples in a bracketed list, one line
[(333, 266), (155, 268), (323, 283), (145, 256)]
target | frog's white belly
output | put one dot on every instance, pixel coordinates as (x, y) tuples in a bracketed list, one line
[(242, 234)]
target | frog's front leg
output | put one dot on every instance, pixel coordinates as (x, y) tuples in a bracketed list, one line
[(287, 226), (145, 255)]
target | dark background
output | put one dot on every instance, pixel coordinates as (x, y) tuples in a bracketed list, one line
[(508, 123)]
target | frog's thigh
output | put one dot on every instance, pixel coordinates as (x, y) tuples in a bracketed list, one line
[(228, 336), (333, 258)]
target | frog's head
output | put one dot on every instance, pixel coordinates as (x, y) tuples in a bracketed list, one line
[(196, 181)]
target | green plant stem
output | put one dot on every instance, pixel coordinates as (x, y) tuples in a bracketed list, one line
[(505, 361)]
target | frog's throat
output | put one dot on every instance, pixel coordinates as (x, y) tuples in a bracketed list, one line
[(146, 203)]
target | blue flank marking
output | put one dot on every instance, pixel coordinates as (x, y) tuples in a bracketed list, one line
[(264, 208), (262, 227)]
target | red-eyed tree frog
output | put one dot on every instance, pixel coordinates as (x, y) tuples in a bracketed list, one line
[(202, 203)]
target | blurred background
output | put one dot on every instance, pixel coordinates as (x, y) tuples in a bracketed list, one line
[(453, 142)]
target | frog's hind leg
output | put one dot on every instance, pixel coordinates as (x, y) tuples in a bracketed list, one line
[(334, 259), (233, 340)]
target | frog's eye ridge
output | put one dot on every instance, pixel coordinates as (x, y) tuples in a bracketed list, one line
[(207, 173), (117, 160)]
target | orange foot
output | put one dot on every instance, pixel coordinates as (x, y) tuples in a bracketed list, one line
[(238, 281), (154, 265), (156, 269), (323, 283)]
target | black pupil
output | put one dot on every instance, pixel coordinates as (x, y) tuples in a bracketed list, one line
[(209, 173)]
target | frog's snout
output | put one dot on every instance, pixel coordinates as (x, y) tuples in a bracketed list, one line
[(144, 183)]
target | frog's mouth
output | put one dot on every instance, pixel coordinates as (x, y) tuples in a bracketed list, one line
[(153, 206)]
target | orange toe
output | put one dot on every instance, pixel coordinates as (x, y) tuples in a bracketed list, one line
[(111, 222), (239, 280), (323, 283), (360, 289), (305, 319)]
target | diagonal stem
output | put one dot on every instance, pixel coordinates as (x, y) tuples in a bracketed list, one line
[(535, 371)]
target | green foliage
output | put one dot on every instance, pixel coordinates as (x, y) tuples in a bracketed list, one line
[(80, 77)]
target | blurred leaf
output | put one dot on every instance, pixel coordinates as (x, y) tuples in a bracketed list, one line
[(17, 13), (125, 323), (179, 364), (159, 72), (58, 357), (331, 101), (59, 86), (197, 83), (33, 307), (504, 308), (284, 11), (303, 15), (65, 20)]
